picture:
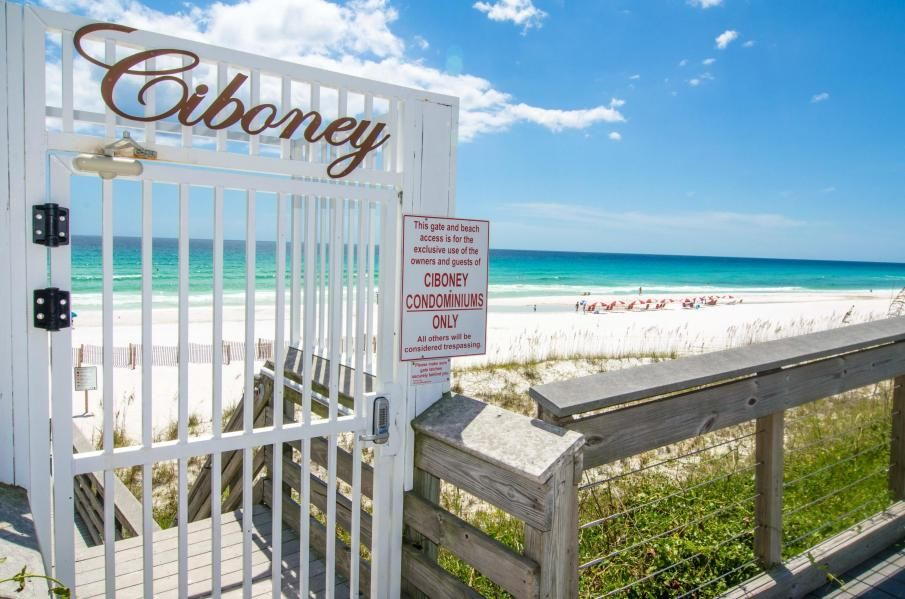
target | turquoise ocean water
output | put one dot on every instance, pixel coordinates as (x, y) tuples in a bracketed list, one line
[(513, 273)]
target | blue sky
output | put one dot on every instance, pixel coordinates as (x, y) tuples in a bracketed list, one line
[(748, 128)]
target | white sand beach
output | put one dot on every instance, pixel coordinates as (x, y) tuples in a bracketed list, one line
[(520, 329)]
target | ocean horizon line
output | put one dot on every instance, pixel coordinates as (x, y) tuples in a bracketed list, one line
[(548, 251)]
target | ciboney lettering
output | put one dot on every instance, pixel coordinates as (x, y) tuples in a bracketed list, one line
[(226, 110)]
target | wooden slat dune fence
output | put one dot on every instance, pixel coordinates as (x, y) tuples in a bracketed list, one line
[(130, 356)]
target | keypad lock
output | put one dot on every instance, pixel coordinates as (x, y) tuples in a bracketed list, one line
[(380, 422)]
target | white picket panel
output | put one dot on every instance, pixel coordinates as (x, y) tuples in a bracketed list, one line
[(339, 239)]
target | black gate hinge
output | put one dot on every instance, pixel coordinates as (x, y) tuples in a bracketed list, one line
[(50, 225), (51, 309)]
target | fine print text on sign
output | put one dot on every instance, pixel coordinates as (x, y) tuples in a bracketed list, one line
[(430, 372), (444, 287)]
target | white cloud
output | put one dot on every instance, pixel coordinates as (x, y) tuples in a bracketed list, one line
[(520, 12), (683, 62), (615, 136), (749, 44), (421, 42), (355, 38), (708, 61), (705, 3), (696, 81), (821, 97), (703, 220), (726, 38), (635, 77)]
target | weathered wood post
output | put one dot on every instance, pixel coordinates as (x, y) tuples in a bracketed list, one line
[(769, 482), (527, 468), (897, 444), (426, 486), (556, 550)]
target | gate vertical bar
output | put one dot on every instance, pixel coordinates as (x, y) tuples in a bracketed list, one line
[(324, 232), (150, 101), (217, 391), (183, 401), (292, 151), (147, 369), (369, 317), (278, 367), (250, 395), (66, 83), (335, 313), (109, 117), (308, 339), (385, 456), (360, 348), (61, 358), (107, 318)]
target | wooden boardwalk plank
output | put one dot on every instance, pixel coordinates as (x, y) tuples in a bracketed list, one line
[(880, 577), (90, 564)]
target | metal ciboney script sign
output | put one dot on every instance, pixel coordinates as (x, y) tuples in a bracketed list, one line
[(226, 110)]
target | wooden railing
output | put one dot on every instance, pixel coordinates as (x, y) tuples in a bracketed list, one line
[(88, 496), (623, 414), (523, 466)]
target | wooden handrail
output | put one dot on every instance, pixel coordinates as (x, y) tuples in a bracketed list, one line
[(608, 389), (641, 427), (88, 497)]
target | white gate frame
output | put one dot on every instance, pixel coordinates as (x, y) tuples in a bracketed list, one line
[(7, 430), (29, 347), (427, 159)]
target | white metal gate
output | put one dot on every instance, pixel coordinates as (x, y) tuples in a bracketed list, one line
[(335, 217)]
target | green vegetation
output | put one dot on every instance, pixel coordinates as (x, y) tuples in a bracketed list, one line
[(23, 576), (680, 520)]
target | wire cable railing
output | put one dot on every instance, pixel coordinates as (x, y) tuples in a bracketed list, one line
[(666, 533), (675, 565), (710, 481), (835, 492), (596, 483)]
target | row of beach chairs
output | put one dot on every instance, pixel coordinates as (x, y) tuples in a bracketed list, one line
[(652, 305)]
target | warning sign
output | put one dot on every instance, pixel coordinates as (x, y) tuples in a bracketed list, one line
[(444, 287), (430, 371)]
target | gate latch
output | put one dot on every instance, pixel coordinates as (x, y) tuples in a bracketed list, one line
[(51, 309), (50, 225), (380, 423)]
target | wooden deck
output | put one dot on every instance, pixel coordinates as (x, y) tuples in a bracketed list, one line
[(881, 577), (90, 574)]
